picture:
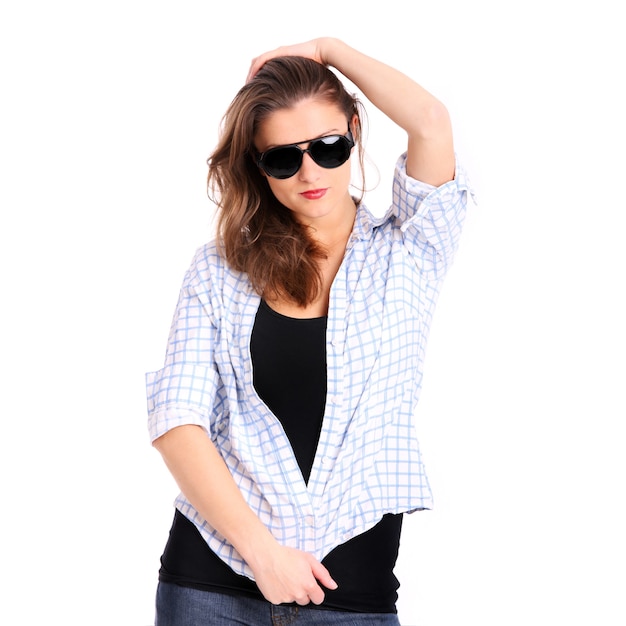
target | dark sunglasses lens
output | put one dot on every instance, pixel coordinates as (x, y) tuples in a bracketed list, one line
[(330, 152), (282, 162)]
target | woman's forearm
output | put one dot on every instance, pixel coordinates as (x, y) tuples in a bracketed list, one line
[(402, 99), (203, 477), (430, 155)]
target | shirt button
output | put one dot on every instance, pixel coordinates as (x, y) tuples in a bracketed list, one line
[(310, 520)]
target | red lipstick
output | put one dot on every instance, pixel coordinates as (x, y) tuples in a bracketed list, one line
[(314, 194)]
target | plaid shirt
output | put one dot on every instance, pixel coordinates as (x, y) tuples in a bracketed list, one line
[(368, 460)]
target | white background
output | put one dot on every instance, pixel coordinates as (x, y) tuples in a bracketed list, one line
[(108, 112)]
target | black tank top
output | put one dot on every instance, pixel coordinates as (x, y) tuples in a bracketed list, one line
[(289, 369)]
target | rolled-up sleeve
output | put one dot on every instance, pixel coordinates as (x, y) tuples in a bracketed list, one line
[(187, 389), (180, 394), (431, 218)]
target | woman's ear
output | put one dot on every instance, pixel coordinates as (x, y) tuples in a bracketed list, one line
[(354, 127)]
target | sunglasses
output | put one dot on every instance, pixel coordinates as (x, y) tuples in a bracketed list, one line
[(284, 161)]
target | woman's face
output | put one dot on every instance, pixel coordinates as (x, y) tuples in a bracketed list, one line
[(316, 195)]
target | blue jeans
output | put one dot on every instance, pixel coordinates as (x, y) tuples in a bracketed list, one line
[(181, 606)]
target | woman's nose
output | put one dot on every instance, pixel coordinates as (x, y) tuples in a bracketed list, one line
[(309, 170)]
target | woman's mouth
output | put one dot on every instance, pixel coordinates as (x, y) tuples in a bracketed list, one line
[(314, 194)]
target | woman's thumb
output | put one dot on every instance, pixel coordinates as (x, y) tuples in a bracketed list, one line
[(323, 576)]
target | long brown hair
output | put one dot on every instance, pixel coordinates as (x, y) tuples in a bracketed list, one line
[(257, 234)]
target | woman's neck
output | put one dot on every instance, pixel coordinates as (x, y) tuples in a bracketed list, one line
[(333, 237), (333, 231)]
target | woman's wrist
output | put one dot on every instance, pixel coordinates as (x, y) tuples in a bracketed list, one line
[(329, 50), (256, 548)]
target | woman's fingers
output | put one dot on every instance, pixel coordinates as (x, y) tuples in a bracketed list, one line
[(308, 49)]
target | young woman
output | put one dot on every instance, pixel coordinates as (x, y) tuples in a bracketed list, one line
[(285, 407)]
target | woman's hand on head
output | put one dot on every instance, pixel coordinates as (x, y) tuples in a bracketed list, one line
[(313, 49), (290, 575)]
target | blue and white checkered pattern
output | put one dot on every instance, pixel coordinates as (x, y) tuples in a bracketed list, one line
[(368, 461)]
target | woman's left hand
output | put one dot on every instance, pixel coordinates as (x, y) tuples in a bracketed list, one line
[(312, 49)]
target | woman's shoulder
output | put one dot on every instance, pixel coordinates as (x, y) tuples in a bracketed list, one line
[(208, 254), (209, 265)]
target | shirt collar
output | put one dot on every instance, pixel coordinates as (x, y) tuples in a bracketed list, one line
[(365, 222)]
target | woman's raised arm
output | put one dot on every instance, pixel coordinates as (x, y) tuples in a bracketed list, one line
[(430, 152)]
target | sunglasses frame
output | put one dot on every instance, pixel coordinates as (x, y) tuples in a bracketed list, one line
[(348, 138)]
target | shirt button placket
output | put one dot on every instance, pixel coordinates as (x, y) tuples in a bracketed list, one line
[(308, 532)]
